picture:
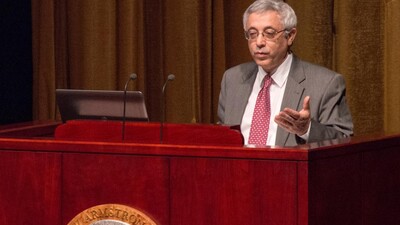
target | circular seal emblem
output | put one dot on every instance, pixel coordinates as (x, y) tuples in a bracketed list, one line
[(111, 214)]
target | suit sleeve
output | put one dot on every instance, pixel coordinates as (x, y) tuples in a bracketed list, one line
[(222, 100), (333, 119)]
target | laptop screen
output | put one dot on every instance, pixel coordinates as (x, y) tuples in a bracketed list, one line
[(101, 105)]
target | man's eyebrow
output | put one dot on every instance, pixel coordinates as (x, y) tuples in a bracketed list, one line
[(265, 28)]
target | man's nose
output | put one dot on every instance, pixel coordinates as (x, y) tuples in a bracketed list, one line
[(260, 41)]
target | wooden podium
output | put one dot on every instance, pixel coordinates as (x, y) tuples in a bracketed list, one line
[(49, 180)]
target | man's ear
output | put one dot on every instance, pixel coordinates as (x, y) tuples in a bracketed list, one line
[(291, 36)]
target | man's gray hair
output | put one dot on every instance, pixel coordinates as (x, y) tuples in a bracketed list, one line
[(288, 16)]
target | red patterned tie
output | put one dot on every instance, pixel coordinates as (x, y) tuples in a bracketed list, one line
[(262, 112)]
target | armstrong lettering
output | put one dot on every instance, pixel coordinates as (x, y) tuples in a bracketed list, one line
[(111, 212)]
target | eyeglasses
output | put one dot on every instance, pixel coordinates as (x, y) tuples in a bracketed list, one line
[(268, 34)]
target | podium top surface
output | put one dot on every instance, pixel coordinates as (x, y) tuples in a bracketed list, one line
[(39, 137)]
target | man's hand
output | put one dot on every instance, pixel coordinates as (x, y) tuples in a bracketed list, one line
[(293, 121)]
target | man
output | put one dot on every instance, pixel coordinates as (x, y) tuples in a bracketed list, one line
[(300, 102)]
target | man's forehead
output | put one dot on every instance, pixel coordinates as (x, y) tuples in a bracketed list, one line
[(264, 20)]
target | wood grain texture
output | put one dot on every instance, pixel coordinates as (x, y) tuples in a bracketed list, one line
[(95, 179), (351, 181), (221, 191), (30, 189)]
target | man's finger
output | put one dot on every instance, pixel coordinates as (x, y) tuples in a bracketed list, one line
[(306, 103)]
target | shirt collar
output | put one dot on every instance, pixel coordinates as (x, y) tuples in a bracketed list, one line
[(280, 76)]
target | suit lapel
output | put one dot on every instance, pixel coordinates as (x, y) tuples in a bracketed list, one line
[(292, 97), (243, 93)]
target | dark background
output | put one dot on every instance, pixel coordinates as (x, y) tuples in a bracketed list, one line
[(15, 61)]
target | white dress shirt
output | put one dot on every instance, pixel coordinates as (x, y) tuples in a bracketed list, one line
[(277, 90)]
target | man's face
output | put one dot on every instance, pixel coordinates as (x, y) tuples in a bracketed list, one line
[(268, 52)]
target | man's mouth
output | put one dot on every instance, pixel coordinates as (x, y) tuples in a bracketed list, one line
[(261, 54)]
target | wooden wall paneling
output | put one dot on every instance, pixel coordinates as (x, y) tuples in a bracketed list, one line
[(225, 191), (335, 187), (30, 191), (381, 186), (95, 179)]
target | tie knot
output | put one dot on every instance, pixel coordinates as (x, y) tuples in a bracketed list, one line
[(267, 81)]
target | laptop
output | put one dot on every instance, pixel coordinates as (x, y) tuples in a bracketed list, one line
[(101, 105)]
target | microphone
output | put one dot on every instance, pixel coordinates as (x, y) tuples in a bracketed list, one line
[(171, 77), (133, 76)]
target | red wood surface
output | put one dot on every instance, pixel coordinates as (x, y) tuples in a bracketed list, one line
[(302, 193), (33, 129), (218, 191), (95, 179), (381, 186), (335, 190), (347, 181), (149, 133), (30, 188)]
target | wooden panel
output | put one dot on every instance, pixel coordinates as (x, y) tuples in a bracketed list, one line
[(30, 188), (149, 133), (354, 181), (94, 179), (335, 191), (29, 129), (222, 191), (381, 176), (302, 191)]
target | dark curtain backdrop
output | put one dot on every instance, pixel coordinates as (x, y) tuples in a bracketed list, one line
[(91, 44), (15, 61)]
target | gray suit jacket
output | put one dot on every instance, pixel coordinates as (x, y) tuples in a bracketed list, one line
[(330, 115)]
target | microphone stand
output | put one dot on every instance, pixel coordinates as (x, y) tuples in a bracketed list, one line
[(133, 76), (171, 77)]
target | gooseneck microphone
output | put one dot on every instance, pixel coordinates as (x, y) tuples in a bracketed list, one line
[(171, 77), (133, 76)]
